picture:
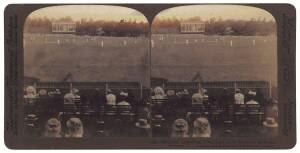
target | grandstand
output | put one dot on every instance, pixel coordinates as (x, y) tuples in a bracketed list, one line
[(99, 118)]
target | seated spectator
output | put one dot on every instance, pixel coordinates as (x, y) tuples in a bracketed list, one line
[(43, 93), (69, 98), (111, 99), (159, 93), (270, 122), (123, 97), (272, 109), (179, 94), (69, 101), (76, 93), (252, 95), (271, 127), (180, 129), (205, 95), (197, 98), (54, 93), (185, 92), (144, 113), (201, 128), (182, 93), (239, 97), (53, 128), (30, 92), (30, 96), (144, 128), (74, 128), (171, 93)]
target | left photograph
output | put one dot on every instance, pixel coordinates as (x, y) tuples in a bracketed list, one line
[(86, 72)]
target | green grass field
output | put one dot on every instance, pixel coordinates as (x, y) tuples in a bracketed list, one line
[(174, 57), (86, 59), (180, 57)]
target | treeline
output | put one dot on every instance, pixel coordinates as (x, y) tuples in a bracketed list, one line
[(89, 26), (213, 26), (218, 26)]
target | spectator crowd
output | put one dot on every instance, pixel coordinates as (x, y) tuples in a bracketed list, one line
[(166, 113)]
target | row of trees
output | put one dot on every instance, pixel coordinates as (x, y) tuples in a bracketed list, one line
[(89, 26), (169, 25), (218, 26)]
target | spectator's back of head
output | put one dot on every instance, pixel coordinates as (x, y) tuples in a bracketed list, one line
[(159, 92), (74, 128), (180, 128), (201, 128), (52, 128)]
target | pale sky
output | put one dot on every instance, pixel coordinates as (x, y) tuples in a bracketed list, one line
[(224, 11), (117, 13), (95, 12)]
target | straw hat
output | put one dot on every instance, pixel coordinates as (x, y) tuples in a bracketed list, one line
[(171, 93), (180, 125), (270, 122), (69, 98), (142, 123), (31, 117), (252, 93), (185, 91), (53, 123), (43, 92), (197, 97), (123, 94), (123, 103)]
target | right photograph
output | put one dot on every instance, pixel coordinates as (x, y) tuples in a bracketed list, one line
[(214, 72)]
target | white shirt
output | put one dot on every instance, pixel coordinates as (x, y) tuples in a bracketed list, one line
[(239, 98)]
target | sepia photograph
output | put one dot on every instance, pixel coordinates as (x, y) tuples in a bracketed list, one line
[(214, 72), (86, 72), (149, 76)]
